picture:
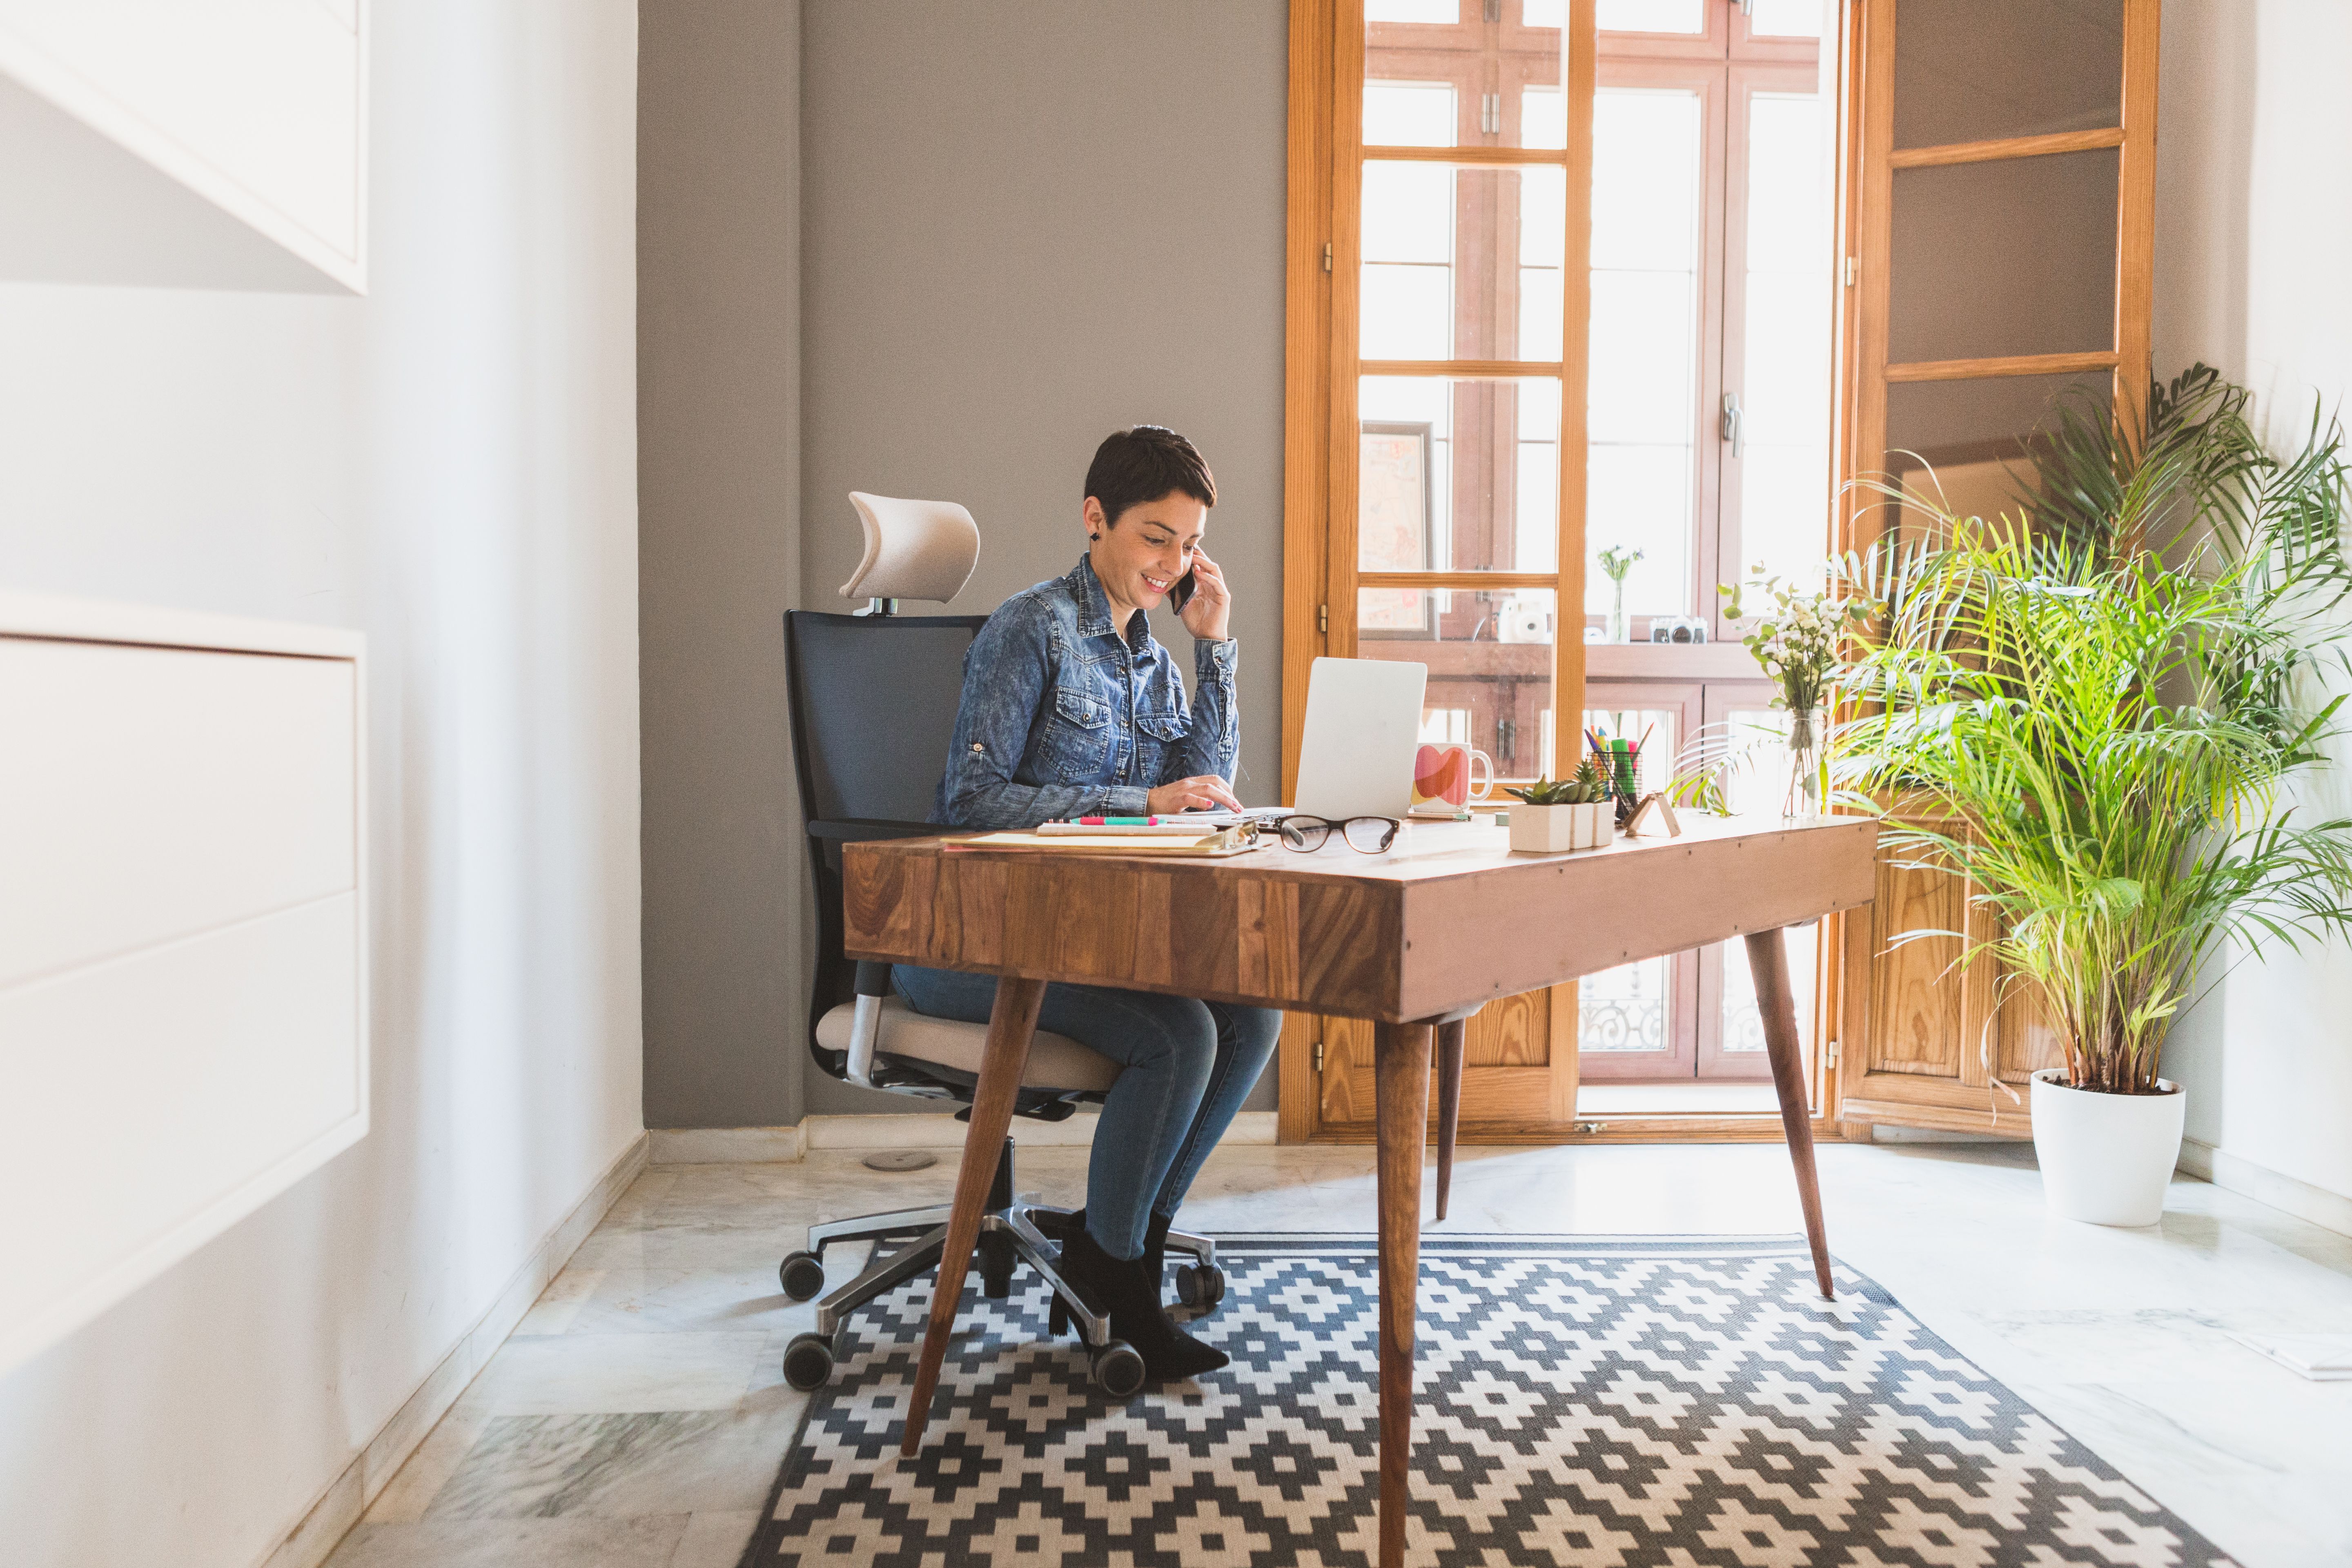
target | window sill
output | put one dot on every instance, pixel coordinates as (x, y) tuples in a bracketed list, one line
[(1670, 661)]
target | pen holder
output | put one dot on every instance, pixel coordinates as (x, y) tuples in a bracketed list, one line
[(1624, 771)]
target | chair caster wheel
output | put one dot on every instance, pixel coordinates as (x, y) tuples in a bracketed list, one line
[(803, 1276), (808, 1361), (1117, 1370), (1200, 1288)]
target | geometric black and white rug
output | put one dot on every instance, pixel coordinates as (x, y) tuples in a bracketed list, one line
[(1671, 1402)]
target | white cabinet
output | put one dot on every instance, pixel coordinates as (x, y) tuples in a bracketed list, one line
[(209, 142), (182, 962)]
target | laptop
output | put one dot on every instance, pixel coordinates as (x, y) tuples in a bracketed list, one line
[(1363, 726)]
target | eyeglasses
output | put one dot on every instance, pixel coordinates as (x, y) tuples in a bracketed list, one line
[(1371, 834)]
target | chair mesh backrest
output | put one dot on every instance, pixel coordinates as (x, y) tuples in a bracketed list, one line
[(874, 700)]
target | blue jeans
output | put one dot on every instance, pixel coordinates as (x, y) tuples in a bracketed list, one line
[(1186, 1067)]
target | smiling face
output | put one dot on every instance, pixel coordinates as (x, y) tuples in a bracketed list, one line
[(1141, 553)]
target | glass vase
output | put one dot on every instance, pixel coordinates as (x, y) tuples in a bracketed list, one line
[(1809, 762), (1616, 628)]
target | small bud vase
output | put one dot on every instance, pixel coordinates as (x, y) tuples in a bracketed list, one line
[(1808, 765)]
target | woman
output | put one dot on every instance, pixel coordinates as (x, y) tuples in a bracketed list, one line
[(1072, 708)]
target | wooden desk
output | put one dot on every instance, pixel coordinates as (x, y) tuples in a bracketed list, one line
[(1412, 939)]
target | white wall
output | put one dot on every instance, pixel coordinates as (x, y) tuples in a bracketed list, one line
[(2253, 230), (447, 463)]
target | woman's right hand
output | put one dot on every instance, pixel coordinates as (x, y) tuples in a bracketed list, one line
[(1208, 791)]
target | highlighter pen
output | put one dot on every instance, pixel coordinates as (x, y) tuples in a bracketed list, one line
[(1119, 821)]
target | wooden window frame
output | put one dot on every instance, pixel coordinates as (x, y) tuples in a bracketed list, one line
[(1321, 439)]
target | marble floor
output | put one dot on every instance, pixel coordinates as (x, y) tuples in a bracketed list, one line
[(637, 1415)]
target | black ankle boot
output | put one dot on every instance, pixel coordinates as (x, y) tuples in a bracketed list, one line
[(1121, 1288), (1155, 1251)]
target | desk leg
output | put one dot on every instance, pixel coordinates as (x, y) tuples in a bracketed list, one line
[(1450, 1042), (1768, 965), (1012, 1022), (1401, 1095)]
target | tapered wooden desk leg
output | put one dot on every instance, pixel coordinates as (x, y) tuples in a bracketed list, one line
[(1012, 1022), (1768, 967), (1401, 1094), (1450, 1038)]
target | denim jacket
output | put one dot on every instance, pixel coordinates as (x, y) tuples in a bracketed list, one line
[(1063, 716)]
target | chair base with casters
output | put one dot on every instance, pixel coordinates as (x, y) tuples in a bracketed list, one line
[(1010, 1235), (873, 710)]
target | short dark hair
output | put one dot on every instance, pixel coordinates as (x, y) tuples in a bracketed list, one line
[(1132, 466)]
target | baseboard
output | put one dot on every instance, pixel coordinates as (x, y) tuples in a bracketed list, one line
[(921, 1130), (733, 1145), (347, 1496), (2236, 1173)]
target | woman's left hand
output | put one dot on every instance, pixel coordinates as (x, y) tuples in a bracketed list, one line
[(1212, 603)]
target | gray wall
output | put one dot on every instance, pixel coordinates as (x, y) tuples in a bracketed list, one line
[(1026, 224), (719, 450), (926, 248)]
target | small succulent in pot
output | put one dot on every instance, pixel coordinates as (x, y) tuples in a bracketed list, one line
[(1547, 792), (1587, 787)]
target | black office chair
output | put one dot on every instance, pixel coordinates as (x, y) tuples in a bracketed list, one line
[(873, 700)]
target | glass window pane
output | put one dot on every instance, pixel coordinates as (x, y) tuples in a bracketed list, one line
[(1647, 177), (1540, 312), (1406, 312), (1967, 439), (1464, 45), (1408, 213), (1458, 475), (1543, 217), (1624, 1009), (1409, 113), (1474, 255), (1652, 16), (1970, 71), (1489, 654), (1639, 497), (2015, 257), (1754, 739), (1645, 362), (1788, 19), (1543, 117), (1743, 1021), (1642, 396), (1630, 1008), (1785, 357), (1543, 14)]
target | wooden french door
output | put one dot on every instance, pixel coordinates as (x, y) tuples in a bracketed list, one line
[(2000, 209), (1439, 184)]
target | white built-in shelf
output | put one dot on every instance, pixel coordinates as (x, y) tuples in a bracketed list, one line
[(216, 143), (183, 938)]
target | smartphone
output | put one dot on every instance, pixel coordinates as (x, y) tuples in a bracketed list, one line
[(1179, 593)]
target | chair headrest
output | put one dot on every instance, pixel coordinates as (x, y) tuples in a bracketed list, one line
[(914, 549)]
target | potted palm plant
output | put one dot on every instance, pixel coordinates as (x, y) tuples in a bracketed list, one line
[(2094, 709)]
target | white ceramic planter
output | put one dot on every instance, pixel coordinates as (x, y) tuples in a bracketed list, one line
[(1548, 829), (1543, 829), (2105, 1158)]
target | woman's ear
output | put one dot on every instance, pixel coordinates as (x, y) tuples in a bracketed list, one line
[(1091, 514)]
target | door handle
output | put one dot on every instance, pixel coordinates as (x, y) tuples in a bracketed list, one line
[(1731, 422)]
